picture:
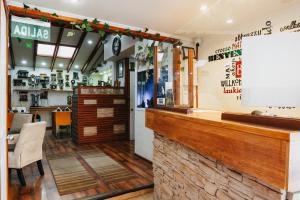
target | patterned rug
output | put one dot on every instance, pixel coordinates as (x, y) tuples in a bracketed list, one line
[(108, 169), (86, 169), (70, 176)]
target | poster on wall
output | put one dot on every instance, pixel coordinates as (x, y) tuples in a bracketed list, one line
[(145, 88), (161, 85), (169, 94)]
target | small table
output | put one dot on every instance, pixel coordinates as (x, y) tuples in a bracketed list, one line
[(60, 118)]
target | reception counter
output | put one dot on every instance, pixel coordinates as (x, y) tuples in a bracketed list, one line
[(200, 156)]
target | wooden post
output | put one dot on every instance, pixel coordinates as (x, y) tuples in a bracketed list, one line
[(155, 76), (176, 75), (191, 77)]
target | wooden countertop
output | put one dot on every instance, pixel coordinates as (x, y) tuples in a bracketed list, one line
[(46, 108), (258, 151)]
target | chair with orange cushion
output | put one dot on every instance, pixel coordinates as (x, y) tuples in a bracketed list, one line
[(62, 119)]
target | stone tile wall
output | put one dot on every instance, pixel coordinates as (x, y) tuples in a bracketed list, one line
[(181, 173)]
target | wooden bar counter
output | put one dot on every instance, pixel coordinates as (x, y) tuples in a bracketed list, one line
[(268, 155)]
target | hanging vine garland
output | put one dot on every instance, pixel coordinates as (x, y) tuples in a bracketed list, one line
[(87, 26)]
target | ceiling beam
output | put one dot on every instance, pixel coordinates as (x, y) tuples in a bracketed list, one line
[(34, 54), (100, 55), (19, 11), (61, 31), (76, 50), (96, 48)]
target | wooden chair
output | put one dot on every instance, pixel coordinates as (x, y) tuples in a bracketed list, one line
[(28, 149)]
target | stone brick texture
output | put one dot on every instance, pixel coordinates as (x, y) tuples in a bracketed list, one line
[(181, 173)]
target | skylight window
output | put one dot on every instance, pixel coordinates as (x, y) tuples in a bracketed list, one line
[(65, 52), (45, 50)]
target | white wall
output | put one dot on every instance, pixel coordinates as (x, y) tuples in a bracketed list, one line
[(126, 42), (211, 94), (3, 104), (54, 98)]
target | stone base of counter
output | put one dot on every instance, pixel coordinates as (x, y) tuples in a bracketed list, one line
[(181, 173)]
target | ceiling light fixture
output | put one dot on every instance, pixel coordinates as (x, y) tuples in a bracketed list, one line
[(24, 62), (90, 42), (45, 50), (60, 65), (203, 8), (229, 21), (74, 1), (43, 63), (65, 52), (76, 66)]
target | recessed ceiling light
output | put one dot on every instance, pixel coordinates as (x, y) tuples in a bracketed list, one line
[(60, 65), (76, 66), (74, 1), (65, 52), (90, 42), (229, 21), (43, 63), (45, 50), (24, 62), (203, 8)]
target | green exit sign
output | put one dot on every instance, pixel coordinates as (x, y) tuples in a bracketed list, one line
[(30, 29)]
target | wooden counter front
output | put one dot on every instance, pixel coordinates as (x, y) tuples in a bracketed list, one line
[(258, 151)]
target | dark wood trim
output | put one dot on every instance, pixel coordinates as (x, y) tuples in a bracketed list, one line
[(34, 54), (127, 92), (61, 31), (68, 20), (51, 43), (82, 37), (155, 76), (176, 75), (271, 121), (88, 61), (191, 77), (184, 55), (11, 51), (101, 54)]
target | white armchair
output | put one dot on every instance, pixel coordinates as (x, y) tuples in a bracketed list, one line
[(28, 149)]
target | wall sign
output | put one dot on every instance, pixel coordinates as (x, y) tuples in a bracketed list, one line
[(116, 46), (30, 29)]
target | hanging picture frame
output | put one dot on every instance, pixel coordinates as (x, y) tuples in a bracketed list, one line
[(120, 71)]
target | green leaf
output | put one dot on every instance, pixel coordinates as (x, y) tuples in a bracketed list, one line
[(85, 21), (54, 15), (60, 22), (83, 26), (44, 19), (89, 28), (106, 26), (146, 30), (28, 45), (78, 26), (25, 6), (36, 9), (101, 34), (96, 21), (19, 39), (140, 48), (141, 39), (157, 35)]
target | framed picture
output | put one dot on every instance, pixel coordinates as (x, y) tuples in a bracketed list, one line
[(120, 71)]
